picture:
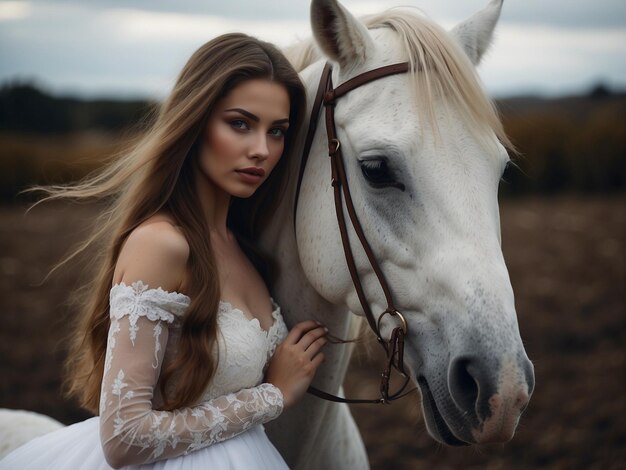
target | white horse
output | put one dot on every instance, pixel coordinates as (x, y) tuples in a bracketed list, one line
[(423, 158)]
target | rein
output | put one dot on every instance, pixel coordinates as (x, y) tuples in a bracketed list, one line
[(327, 95)]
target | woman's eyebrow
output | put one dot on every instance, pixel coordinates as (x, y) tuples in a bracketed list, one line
[(254, 117)]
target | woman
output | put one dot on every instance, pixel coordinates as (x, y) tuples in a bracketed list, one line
[(174, 369)]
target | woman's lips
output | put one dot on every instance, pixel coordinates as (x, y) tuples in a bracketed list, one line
[(251, 175)]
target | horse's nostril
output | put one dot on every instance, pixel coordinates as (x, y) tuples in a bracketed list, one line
[(464, 385), (471, 385)]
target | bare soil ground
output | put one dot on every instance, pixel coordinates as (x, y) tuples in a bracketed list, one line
[(566, 259)]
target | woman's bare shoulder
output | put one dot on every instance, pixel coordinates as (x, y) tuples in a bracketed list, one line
[(156, 252)]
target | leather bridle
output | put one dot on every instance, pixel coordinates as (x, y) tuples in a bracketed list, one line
[(394, 348)]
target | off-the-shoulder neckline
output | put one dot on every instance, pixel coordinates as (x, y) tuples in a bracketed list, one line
[(145, 288)]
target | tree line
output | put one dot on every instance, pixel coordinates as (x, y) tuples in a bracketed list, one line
[(568, 144)]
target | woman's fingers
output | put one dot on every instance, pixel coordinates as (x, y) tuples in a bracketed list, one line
[(315, 347), (311, 336), (299, 330), (296, 360)]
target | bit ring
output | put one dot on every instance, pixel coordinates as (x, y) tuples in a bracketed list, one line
[(393, 313)]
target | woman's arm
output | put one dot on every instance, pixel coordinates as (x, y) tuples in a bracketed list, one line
[(130, 430)]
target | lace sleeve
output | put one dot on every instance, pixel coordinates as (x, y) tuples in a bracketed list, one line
[(130, 430)]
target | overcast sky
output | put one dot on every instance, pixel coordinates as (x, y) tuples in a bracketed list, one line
[(136, 47)]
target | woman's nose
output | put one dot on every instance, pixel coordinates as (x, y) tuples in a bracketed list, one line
[(259, 148)]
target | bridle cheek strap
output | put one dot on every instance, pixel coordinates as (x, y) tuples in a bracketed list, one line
[(394, 348)]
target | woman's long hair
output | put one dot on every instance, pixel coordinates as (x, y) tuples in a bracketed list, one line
[(158, 175)]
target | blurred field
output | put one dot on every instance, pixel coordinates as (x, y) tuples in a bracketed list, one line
[(30, 159), (566, 259), (565, 254)]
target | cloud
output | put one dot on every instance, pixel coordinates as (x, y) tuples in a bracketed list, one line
[(71, 47), (241, 9), (14, 10), (138, 47), (553, 59), (572, 14), (582, 14), (141, 26)]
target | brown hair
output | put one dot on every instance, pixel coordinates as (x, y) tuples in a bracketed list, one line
[(157, 175)]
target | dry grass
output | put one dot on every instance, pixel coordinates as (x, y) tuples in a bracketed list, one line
[(27, 160)]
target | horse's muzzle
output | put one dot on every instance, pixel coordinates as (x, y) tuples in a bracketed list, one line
[(491, 401), (475, 403)]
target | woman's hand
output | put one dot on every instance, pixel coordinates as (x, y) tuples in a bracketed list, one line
[(296, 359)]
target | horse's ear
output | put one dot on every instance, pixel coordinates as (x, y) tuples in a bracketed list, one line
[(342, 37), (475, 34)]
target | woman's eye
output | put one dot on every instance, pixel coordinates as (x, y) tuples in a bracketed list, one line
[(378, 174), (277, 132), (239, 124)]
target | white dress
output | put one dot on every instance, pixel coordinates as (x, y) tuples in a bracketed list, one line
[(223, 430)]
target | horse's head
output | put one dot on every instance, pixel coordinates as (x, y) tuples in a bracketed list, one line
[(423, 159)]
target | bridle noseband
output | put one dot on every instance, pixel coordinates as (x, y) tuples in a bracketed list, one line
[(394, 348)]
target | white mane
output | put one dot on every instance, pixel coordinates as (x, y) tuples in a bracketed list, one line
[(438, 68)]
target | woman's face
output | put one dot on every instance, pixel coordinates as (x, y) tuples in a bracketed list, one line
[(245, 137)]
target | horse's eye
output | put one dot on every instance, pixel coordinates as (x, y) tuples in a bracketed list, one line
[(378, 174)]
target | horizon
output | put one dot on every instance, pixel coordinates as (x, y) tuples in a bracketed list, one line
[(95, 96)]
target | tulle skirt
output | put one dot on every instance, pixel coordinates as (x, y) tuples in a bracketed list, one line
[(78, 447)]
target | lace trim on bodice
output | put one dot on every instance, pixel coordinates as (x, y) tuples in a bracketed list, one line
[(275, 333)]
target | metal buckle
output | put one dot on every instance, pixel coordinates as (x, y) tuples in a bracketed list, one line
[(332, 152), (393, 313)]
